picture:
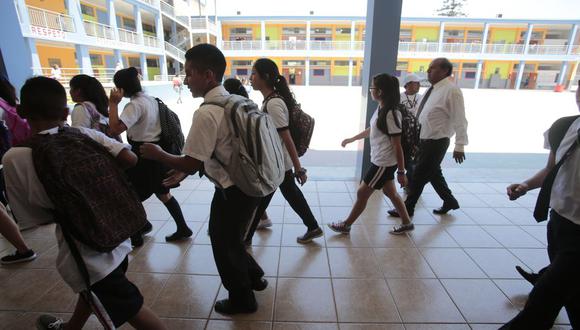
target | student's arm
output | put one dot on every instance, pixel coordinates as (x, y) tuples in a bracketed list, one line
[(126, 159), (401, 177), (362, 135), (182, 163), (289, 143), (517, 190), (116, 126)]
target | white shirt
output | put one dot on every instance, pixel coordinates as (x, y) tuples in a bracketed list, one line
[(565, 196), (411, 102), (278, 111), (209, 134), (141, 116), (443, 114), (80, 116), (31, 206), (382, 150)]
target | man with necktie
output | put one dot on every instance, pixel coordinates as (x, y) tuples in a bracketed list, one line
[(441, 115)]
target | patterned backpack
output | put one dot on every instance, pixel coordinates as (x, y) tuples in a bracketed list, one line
[(172, 139), (94, 202), (411, 129)]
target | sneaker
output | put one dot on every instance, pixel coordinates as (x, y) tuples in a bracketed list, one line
[(264, 223), (340, 227), (49, 322), (401, 229), (17, 257), (179, 235), (309, 236)]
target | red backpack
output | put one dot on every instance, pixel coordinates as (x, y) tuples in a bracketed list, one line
[(18, 127)]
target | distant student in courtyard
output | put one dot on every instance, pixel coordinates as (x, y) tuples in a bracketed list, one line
[(386, 155), (178, 87), (557, 285), (411, 99), (278, 98), (140, 118)]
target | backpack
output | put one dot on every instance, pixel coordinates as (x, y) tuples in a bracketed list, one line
[(301, 126), (257, 163), (96, 123), (5, 138), (558, 130), (411, 129), (94, 202), (19, 128), (172, 139)]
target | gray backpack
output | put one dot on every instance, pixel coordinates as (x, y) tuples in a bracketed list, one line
[(257, 162)]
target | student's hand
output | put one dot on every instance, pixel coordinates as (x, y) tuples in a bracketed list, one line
[(459, 156), (301, 176), (116, 95), (402, 179), (346, 141), (174, 178), (150, 151), (517, 190)]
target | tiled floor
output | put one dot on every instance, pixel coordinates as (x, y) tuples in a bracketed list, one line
[(452, 272)]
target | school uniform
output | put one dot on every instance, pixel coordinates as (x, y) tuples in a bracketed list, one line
[(411, 102), (30, 204), (210, 141), (81, 115), (383, 154)]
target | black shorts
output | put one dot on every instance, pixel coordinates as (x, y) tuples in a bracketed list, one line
[(116, 296), (147, 176), (377, 176)]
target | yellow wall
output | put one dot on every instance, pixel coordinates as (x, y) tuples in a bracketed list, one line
[(429, 33), (256, 30), (503, 66), (54, 5), (66, 55), (509, 35), (415, 65)]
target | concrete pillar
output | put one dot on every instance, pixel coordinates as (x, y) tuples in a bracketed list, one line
[(143, 64), (573, 75), (307, 72), (528, 38), (163, 68), (159, 30), (521, 68), (22, 12), (563, 73), (484, 38), (173, 29), (138, 23), (219, 38), (84, 59), (113, 18), (383, 22), (74, 9), (352, 35), (571, 39), (308, 26), (441, 35), (478, 74), (350, 67), (176, 67), (207, 29), (263, 34), (118, 57)]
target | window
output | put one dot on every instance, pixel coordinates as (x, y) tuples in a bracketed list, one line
[(53, 61), (293, 63), (242, 30), (242, 62), (152, 63), (293, 30), (96, 59), (320, 30), (148, 28), (134, 61), (469, 66), (318, 72), (129, 24), (343, 30), (320, 63), (470, 75), (242, 72), (341, 63), (86, 10)]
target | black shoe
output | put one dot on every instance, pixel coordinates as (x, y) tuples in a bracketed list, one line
[(394, 213), (260, 285), (137, 240), (147, 229), (226, 307), (17, 257), (530, 277), (179, 235), (446, 208)]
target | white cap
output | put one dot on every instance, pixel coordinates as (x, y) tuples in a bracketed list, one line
[(411, 78)]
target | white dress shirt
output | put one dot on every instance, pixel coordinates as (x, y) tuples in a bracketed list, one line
[(443, 114)]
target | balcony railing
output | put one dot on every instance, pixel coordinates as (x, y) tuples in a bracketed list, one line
[(150, 41), (99, 30), (203, 24), (242, 45), (286, 45), (330, 45), (547, 49), (169, 10), (50, 19), (128, 36), (418, 47), (175, 52)]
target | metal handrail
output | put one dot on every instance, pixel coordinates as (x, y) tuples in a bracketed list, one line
[(50, 19), (175, 52), (99, 30), (128, 36)]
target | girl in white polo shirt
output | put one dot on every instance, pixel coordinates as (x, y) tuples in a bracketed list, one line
[(140, 118), (386, 155)]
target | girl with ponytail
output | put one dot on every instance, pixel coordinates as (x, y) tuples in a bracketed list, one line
[(386, 155), (278, 99)]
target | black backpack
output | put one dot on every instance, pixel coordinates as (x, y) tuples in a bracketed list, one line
[(411, 128), (172, 139)]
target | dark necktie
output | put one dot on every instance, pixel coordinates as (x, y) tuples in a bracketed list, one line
[(424, 100), (543, 202)]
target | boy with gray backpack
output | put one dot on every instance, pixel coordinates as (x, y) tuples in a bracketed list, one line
[(236, 146)]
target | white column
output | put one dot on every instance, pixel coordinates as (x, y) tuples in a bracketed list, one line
[(163, 67), (441, 35), (478, 74), (484, 38), (113, 18), (36, 65), (521, 67), (572, 38), (563, 71), (219, 38), (74, 10), (308, 26), (350, 67), (23, 12), (263, 34), (143, 61), (138, 23), (352, 37), (307, 69), (528, 38), (207, 28), (159, 30), (84, 59), (573, 75)]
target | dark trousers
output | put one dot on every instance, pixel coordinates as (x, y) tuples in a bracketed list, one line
[(230, 216), (295, 198), (428, 169), (559, 285), (409, 167)]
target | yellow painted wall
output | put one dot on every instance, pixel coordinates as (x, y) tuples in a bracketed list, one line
[(54, 5), (256, 30), (415, 65), (503, 66), (273, 32), (429, 33), (509, 35), (66, 55)]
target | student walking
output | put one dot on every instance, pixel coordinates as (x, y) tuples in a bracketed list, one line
[(386, 155), (278, 99), (140, 118)]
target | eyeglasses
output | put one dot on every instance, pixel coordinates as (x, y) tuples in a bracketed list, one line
[(371, 88)]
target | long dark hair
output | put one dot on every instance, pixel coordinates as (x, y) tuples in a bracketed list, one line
[(7, 91), (268, 71), (128, 80), (91, 90), (390, 97), (234, 86)]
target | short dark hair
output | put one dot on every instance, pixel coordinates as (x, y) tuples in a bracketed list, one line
[(234, 86), (43, 98), (7, 91), (207, 57), (446, 65), (128, 80)]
